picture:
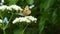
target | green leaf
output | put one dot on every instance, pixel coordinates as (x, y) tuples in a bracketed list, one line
[(54, 16), (46, 4), (19, 31), (30, 1), (11, 2), (42, 23)]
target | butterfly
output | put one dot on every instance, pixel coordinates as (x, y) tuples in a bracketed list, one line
[(25, 12)]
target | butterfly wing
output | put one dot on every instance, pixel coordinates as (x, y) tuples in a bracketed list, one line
[(25, 12)]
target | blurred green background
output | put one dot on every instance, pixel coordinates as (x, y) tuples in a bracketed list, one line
[(47, 13)]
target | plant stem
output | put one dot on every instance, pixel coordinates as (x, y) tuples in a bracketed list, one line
[(4, 32), (7, 24), (24, 29), (9, 21)]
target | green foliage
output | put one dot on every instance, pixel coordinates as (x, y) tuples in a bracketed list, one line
[(47, 13), (47, 4), (11, 2), (30, 2)]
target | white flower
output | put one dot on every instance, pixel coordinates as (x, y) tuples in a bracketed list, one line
[(31, 6), (0, 21), (9, 8), (27, 19), (15, 7), (3, 7), (16, 20), (31, 18), (21, 19), (2, 0)]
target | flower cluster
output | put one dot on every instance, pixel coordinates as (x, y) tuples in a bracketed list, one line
[(15, 7), (27, 19)]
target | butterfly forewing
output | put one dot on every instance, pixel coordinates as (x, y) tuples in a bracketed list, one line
[(26, 11)]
